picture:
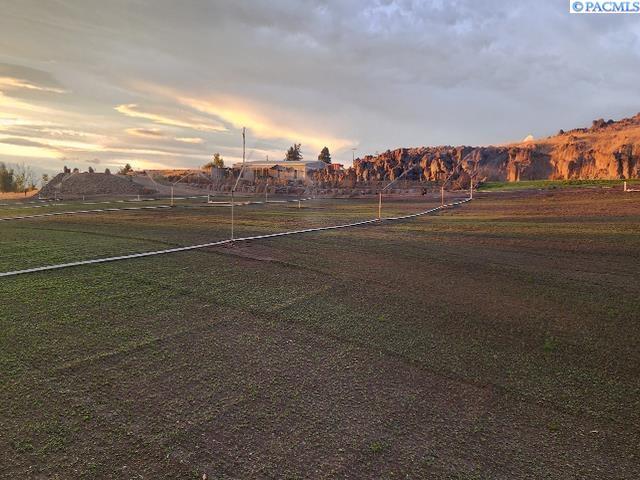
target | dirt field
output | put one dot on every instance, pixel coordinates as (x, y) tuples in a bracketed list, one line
[(17, 195), (495, 340)]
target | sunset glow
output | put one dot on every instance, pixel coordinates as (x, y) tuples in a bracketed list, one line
[(166, 85)]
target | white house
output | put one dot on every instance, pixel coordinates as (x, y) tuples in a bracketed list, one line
[(282, 170)]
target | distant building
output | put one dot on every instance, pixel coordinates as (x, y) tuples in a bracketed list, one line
[(335, 167), (281, 170), (218, 173)]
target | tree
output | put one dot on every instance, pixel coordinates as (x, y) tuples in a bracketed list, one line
[(325, 156), (125, 170), (294, 154), (24, 179), (216, 162), (90, 170), (107, 171), (6, 179), (44, 179)]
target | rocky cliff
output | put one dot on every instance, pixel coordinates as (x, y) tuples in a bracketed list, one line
[(606, 150)]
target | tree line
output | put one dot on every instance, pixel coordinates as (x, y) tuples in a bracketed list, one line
[(22, 178), (293, 154), (18, 179)]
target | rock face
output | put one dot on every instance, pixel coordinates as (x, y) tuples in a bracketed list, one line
[(607, 150)]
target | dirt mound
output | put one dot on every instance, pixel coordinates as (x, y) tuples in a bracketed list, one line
[(90, 184)]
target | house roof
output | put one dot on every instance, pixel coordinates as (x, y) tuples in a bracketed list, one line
[(312, 164)]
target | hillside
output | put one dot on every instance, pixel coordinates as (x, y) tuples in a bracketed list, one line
[(90, 184), (606, 150)]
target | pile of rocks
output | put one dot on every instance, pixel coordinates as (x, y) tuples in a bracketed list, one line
[(79, 184)]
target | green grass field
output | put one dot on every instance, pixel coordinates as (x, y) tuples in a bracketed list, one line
[(494, 340), (554, 184)]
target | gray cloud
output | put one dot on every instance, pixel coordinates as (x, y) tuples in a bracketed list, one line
[(23, 142), (146, 132), (379, 74), (28, 81)]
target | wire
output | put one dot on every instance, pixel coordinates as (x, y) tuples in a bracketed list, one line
[(225, 242)]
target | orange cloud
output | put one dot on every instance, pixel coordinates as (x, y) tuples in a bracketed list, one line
[(74, 145), (132, 110), (145, 132), (14, 83), (192, 140), (148, 151), (33, 151), (240, 115), (141, 163), (12, 104)]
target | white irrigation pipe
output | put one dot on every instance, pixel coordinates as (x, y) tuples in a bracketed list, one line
[(80, 212), (153, 207), (258, 202), (627, 189), (57, 204), (28, 207), (225, 242), (102, 202), (24, 203)]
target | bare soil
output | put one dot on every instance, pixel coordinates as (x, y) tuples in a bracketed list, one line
[(495, 340)]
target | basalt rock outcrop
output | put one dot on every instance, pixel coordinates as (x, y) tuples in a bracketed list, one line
[(606, 150)]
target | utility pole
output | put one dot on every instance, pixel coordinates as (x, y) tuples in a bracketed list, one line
[(236, 185), (471, 177)]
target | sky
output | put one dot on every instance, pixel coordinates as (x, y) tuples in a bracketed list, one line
[(163, 83)]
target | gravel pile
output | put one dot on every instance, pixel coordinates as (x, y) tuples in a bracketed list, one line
[(90, 184)]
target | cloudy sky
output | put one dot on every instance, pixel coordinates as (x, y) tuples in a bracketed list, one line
[(164, 83)]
